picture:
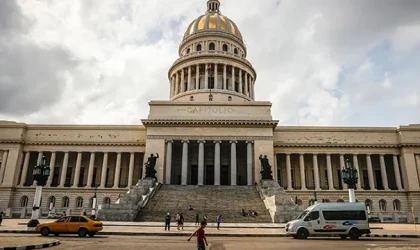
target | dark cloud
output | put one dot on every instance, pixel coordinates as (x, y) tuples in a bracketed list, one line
[(31, 75)]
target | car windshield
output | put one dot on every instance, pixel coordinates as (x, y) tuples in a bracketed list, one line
[(303, 214)]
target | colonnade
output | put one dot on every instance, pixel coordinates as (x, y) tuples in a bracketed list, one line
[(76, 177), (201, 161), (226, 77), (355, 160)]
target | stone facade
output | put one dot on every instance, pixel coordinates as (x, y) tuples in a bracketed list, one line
[(211, 131)]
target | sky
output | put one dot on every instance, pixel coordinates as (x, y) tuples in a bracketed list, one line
[(320, 62)]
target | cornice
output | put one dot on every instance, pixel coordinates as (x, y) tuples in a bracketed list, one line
[(210, 138), (238, 123), (11, 142), (329, 145), (87, 127), (214, 91), (334, 129), (141, 143)]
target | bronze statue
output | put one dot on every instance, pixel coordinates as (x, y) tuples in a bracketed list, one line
[(150, 166), (266, 173)]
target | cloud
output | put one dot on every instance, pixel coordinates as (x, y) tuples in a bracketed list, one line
[(100, 61)]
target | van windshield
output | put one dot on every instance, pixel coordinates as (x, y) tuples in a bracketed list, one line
[(303, 214)]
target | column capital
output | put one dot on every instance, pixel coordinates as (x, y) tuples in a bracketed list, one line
[(233, 142), (328, 153), (301, 154), (185, 141), (92, 152), (201, 141), (251, 141), (217, 142), (315, 154), (289, 154), (396, 155), (382, 155), (368, 155), (167, 141), (53, 152), (355, 154), (342, 155)]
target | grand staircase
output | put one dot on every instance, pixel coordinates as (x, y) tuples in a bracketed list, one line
[(211, 200)]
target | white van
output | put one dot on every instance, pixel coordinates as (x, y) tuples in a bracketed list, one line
[(343, 219)]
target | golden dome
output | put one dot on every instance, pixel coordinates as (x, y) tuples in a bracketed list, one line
[(213, 21)]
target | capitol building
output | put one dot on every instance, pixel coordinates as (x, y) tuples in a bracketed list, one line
[(211, 131)]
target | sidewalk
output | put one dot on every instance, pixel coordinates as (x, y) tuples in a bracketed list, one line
[(7, 242)]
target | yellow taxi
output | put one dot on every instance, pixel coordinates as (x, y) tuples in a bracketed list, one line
[(81, 225)]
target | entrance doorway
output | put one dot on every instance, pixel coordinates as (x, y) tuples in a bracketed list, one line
[(194, 174), (209, 175), (224, 176)]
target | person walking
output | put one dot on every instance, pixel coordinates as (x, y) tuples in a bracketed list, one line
[(197, 219), (1, 217), (181, 221), (168, 222), (219, 220), (177, 218), (201, 236)]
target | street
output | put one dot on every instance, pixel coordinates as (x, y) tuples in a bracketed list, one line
[(222, 243)]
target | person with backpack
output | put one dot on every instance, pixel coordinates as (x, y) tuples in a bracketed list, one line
[(218, 221)]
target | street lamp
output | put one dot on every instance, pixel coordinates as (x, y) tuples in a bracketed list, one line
[(350, 177), (94, 203), (40, 174)]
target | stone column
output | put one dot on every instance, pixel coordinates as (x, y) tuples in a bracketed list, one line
[(356, 166), (342, 165), (249, 157), (183, 81), (3, 166), (77, 172), (233, 164), (90, 171), (251, 89), (383, 172), (117, 171), (240, 82), (316, 172), (233, 78), (289, 172), (104, 170), (206, 78), (25, 169), (330, 173), (246, 84), (52, 169), (215, 76), (184, 170), (177, 90), (64, 169), (224, 77), (370, 172), (197, 77), (201, 163), (168, 173), (38, 162), (217, 163), (302, 172), (131, 170), (189, 79), (397, 173)]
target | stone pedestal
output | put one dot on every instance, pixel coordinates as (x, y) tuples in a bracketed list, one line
[(280, 205), (128, 205)]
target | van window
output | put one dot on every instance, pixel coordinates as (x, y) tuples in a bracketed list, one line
[(314, 215), (303, 214), (344, 215)]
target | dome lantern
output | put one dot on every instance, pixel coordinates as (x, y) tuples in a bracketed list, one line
[(213, 5)]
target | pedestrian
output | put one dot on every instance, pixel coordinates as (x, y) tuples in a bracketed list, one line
[(205, 218), (197, 219), (181, 221), (1, 217), (168, 222), (177, 218), (219, 220), (201, 236)]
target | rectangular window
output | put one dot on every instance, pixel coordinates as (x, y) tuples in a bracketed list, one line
[(56, 177), (107, 177), (95, 171), (344, 215), (68, 177), (314, 215)]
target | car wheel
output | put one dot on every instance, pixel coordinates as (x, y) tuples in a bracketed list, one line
[(45, 231), (91, 234), (82, 232), (354, 234), (302, 234), (343, 237)]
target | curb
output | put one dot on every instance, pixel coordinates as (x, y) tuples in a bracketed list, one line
[(392, 236), (39, 246)]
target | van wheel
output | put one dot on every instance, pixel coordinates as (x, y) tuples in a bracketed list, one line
[(82, 232), (354, 234), (343, 237), (302, 234), (45, 231)]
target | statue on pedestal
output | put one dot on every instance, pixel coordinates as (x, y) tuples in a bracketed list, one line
[(266, 173), (150, 166)]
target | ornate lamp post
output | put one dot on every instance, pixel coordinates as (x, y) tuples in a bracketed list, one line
[(40, 174), (350, 177), (94, 203)]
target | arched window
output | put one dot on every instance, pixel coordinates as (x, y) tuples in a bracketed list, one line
[(382, 205), (188, 51), (397, 205), (229, 98), (235, 51), (311, 202), (225, 48), (107, 200), (369, 203), (24, 201), (192, 98), (212, 46), (51, 200), (65, 202), (199, 47), (79, 202), (340, 201)]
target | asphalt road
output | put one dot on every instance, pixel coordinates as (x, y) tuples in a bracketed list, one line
[(175, 243)]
